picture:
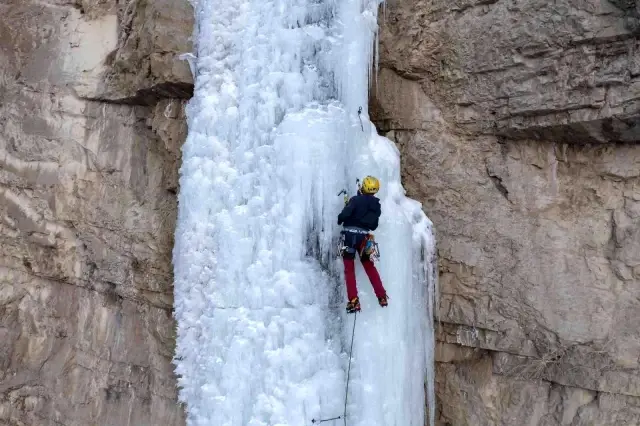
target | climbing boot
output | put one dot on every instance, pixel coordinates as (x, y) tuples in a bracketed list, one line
[(353, 306), (383, 301)]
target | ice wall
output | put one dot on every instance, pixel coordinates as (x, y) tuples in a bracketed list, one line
[(274, 135)]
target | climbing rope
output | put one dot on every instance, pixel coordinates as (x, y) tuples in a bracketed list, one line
[(346, 392), (360, 118)]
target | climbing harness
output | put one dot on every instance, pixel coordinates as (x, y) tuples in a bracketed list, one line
[(346, 392), (355, 230), (369, 246)]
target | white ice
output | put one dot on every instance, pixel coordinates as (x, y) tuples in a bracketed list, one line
[(274, 135)]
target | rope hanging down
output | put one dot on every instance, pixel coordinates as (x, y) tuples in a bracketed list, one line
[(360, 118), (346, 392)]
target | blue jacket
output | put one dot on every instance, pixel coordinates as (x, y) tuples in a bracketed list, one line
[(362, 211)]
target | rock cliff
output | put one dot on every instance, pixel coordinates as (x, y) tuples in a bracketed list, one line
[(91, 121), (517, 121)]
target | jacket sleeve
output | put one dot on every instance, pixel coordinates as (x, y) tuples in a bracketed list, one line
[(378, 212), (346, 212)]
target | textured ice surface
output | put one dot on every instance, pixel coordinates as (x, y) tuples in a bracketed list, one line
[(274, 135)]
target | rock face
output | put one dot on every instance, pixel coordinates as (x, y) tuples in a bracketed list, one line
[(91, 119), (567, 71), (517, 121)]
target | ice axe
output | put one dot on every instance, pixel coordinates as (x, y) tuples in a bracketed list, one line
[(346, 196)]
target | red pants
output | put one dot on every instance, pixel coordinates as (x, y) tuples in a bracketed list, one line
[(372, 273)]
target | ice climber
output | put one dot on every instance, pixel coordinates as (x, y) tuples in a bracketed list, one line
[(359, 217)]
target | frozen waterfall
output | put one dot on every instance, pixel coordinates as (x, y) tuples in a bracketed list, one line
[(274, 135)]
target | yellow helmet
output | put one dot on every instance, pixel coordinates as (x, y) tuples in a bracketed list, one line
[(370, 185)]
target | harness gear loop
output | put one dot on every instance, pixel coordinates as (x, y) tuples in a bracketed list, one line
[(369, 248)]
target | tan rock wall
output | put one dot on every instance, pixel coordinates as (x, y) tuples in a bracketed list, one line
[(533, 189), (564, 70), (91, 120)]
